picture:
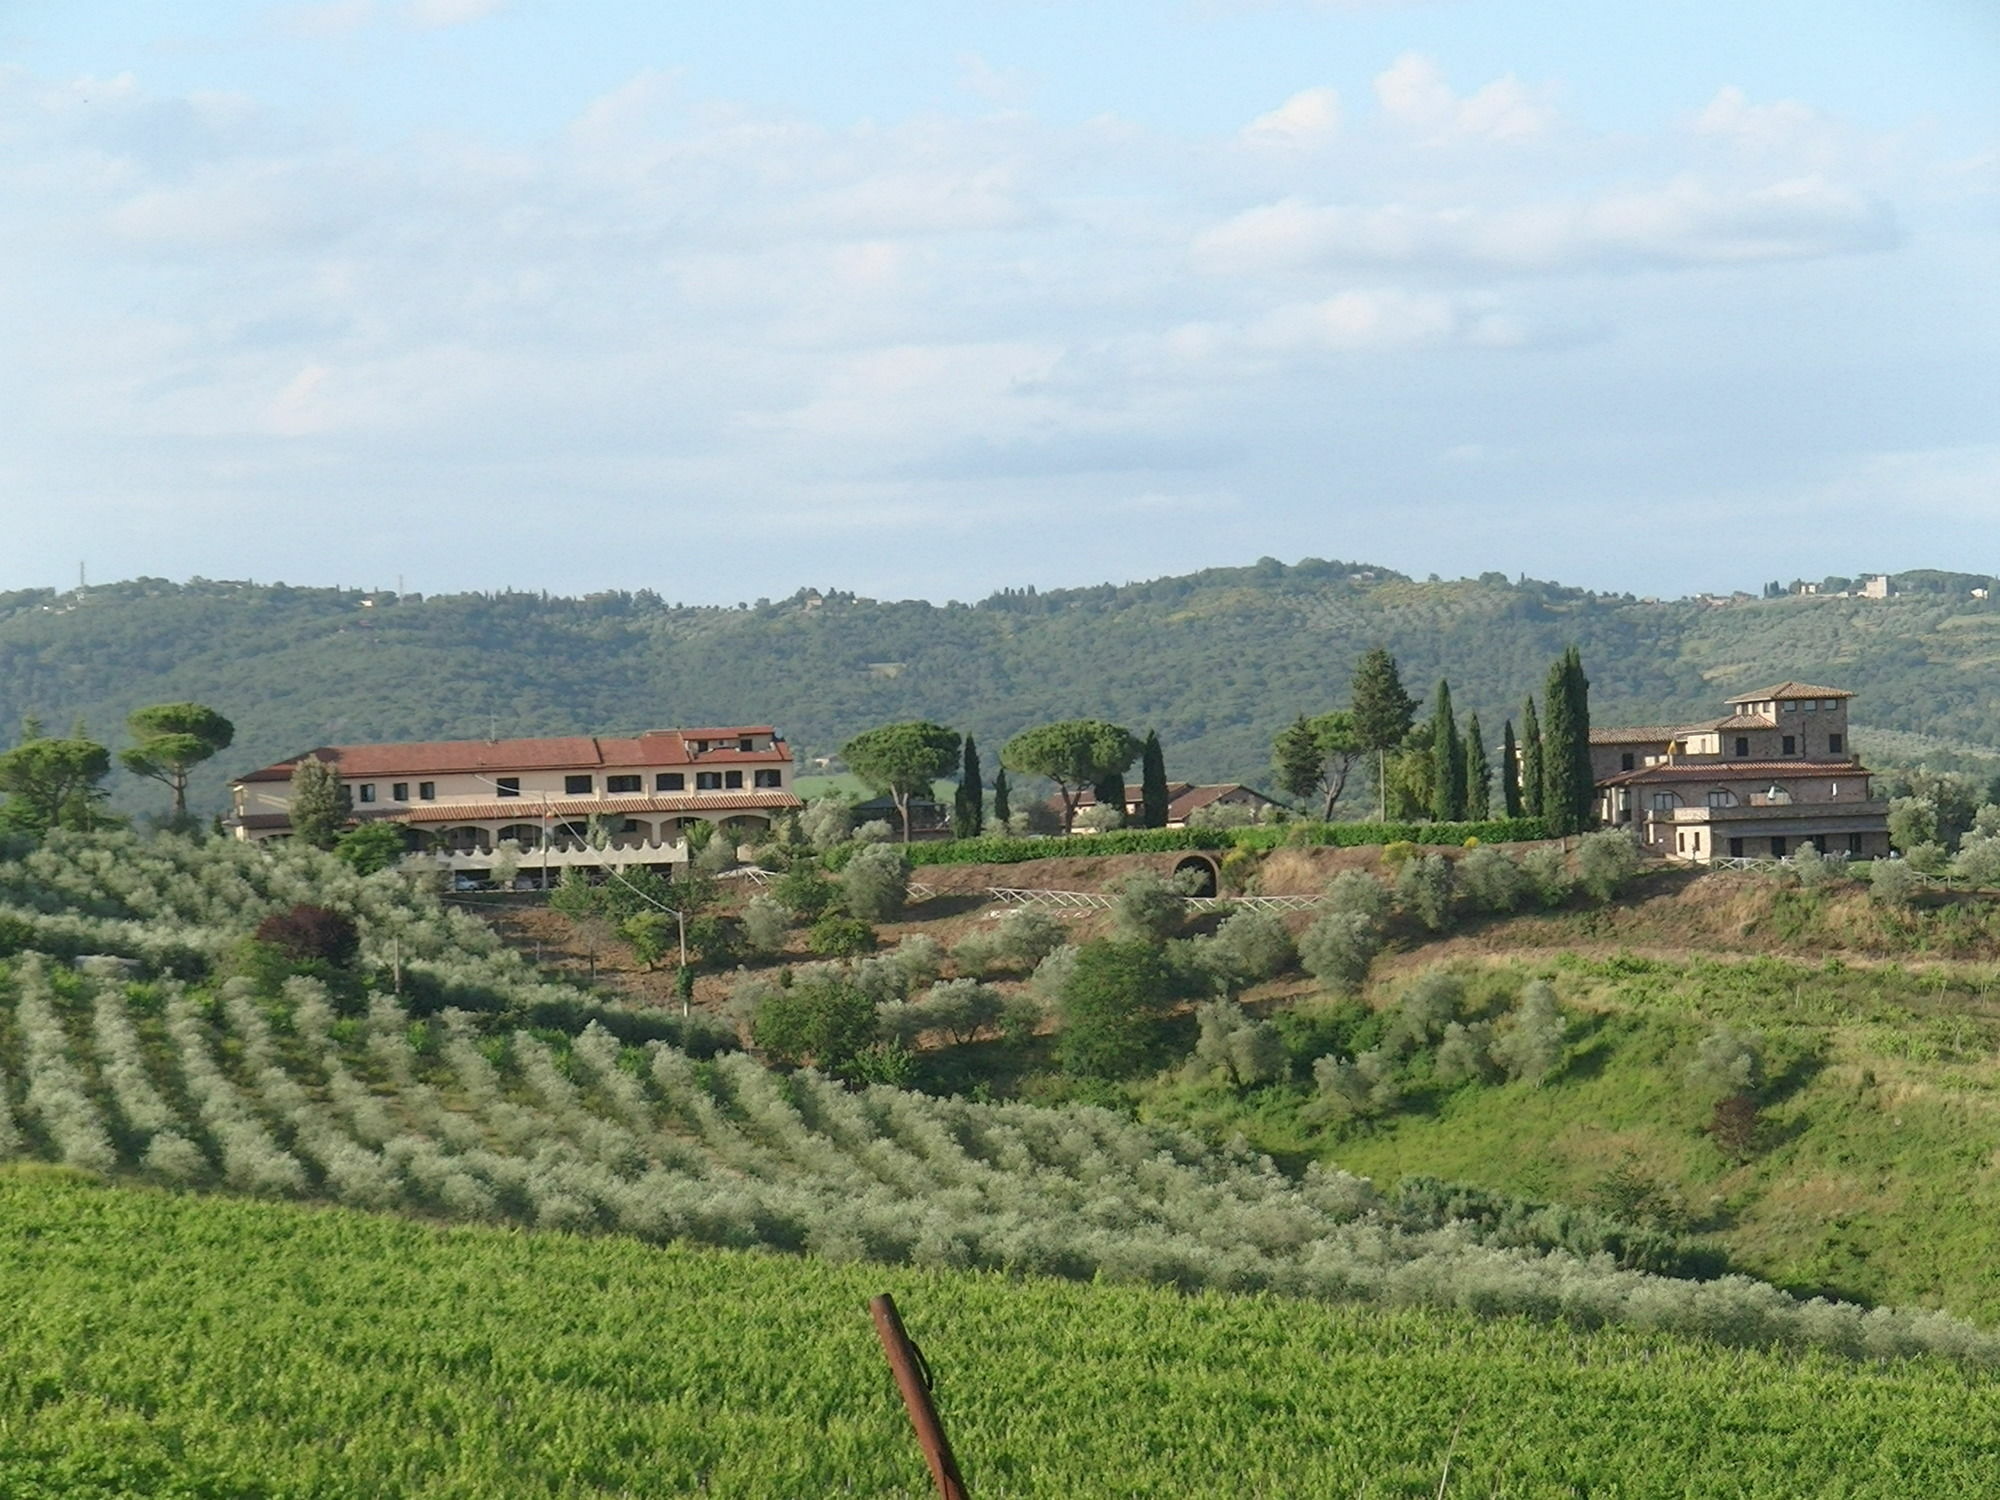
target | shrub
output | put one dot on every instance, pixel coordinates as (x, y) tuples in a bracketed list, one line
[(1338, 948), (1236, 1048), (875, 831), (957, 1009), (826, 822), (766, 924), (1026, 937), (804, 892), (308, 934), (1532, 1045), (1893, 881), (835, 936), (1912, 821), (1359, 894), (977, 953), (1491, 880), (1605, 861), (1728, 1061), (1927, 858), (1429, 1005), (1148, 908), (1978, 860), (1465, 1054), (371, 847), (653, 935), (819, 1020), (1548, 875), (1114, 1003), (1251, 945), (1398, 852), (1734, 1126), (876, 883), (1424, 889), (717, 855), (1814, 870)]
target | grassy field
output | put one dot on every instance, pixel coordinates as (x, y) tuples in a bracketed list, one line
[(184, 1346), (1876, 1175)]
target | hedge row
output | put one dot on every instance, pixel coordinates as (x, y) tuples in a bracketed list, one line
[(1007, 851)]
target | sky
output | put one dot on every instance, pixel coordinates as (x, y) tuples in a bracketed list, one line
[(924, 298)]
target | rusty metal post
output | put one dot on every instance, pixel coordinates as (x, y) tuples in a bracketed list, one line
[(913, 1378)]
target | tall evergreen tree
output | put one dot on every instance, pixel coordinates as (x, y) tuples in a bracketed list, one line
[(1003, 809), (1568, 789), (968, 803), (1510, 773), (319, 802), (1383, 713), (1152, 783), (1531, 760), (1447, 760), (1110, 792), (1478, 774)]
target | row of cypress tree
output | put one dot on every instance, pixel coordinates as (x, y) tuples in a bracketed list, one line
[(968, 804)]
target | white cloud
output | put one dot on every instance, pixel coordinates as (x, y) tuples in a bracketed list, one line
[(1686, 221), (436, 14), (1309, 118), (1413, 94), (1731, 115), (1361, 321)]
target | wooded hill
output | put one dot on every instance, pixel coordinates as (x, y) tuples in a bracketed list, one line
[(1217, 661)]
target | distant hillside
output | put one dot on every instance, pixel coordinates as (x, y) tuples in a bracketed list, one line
[(1217, 661)]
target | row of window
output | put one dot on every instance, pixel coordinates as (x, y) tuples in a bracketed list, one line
[(584, 786), (1787, 745), (1690, 843), (399, 791)]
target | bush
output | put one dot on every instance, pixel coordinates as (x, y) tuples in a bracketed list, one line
[(1548, 875), (876, 883), (1927, 859), (371, 847), (1359, 894), (825, 823), (1814, 870), (1026, 937), (1114, 1004), (1013, 850), (653, 935), (958, 1009), (309, 934), (1338, 948), (1465, 1054), (875, 831), (1492, 881), (1429, 1005), (804, 892), (766, 924), (835, 936), (1424, 889), (1893, 881), (1249, 946), (1532, 1045), (1978, 860), (1148, 908), (820, 1020), (1728, 1061), (1236, 1048)]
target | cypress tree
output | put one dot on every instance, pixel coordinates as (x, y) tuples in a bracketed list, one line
[(1383, 713), (1002, 809), (1478, 774), (968, 804), (1567, 788), (1110, 792), (1510, 773), (1152, 783), (319, 803), (1531, 761), (1447, 760)]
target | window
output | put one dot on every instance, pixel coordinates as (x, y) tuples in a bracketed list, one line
[(365, 792), (1791, 706), (708, 781), (1666, 801), (427, 791), (701, 747), (1736, 848), (508, 786), (732, 779), (624, 783), (1833, 744), (1742, 744), (670, 781), (746, 743), (1722, 797), (1854, 843), (1625, 761), (1777, 848), (579, 786), (399, 792), (1829, 704), (767, 778), (1791, 744), (1812, 705)]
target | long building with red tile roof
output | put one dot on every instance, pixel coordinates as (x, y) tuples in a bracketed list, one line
[(544, 804)]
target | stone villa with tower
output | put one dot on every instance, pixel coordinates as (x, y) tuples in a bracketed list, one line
[(1776, 773)]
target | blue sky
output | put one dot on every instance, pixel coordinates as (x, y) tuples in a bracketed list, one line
[(924, 299)]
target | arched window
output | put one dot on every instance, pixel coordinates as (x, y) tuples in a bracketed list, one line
[(1721, 797), (1666, 801)]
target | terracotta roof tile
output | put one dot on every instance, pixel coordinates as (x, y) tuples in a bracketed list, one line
[(1790, 690), (658, 747), (1735, 770)]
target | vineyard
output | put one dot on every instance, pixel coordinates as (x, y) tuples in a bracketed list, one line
[(133, 1042)]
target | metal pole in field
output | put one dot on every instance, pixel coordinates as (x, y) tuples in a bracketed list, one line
[(913, 1378)]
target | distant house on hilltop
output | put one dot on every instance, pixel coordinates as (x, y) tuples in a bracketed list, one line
[(1775, 774)]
